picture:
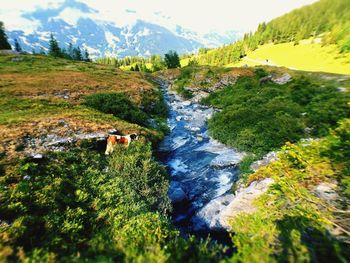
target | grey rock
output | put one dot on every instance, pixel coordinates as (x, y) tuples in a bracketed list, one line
[(17, 59), (342, 89), (282, 80), (176, 193), (268, 158), (243, 201), (209, 216), (218, 213), (38, 156), (327, 191)]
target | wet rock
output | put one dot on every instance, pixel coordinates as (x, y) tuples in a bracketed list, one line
[(199, 138), (218, 213), (243, 201), (178, 142), (226, 156), (186, 103), (226, 159), (195, 129), (209, 216), (268, 158), (176, 193), (178, 166)]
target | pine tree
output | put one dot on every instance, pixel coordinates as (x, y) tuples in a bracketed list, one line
[(54, 49), (18, 47), (65, 54), (42, 51), (77, 54), (137, 68), (4, 44), (86, 56), (70, 51)]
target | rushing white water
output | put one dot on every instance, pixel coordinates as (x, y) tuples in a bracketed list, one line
[(201, 168)]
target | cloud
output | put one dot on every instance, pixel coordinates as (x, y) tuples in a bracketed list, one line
[(198, 15), (130, 11)]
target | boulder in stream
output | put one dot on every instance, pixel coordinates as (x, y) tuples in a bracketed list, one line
[(176, 193), (218, 213)]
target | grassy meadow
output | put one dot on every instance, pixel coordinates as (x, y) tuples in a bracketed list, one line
[(306, 56)]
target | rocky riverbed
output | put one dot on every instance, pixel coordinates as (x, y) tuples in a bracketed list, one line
[(202, 169)]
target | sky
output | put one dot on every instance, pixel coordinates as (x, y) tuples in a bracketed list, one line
[(201, 16)]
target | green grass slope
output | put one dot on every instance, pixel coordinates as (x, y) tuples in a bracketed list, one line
[(306, 56), (284, 41)]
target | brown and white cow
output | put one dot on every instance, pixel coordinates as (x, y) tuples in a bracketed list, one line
[(113, 140)]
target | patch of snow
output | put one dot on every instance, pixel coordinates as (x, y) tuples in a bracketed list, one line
[(112, 40)]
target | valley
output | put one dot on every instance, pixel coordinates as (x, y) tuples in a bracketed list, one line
[(239, 152)]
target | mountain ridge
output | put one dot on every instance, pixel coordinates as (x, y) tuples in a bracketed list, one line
[(72, 22)]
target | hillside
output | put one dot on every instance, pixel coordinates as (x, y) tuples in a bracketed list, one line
[(43, 95), (307, 56), (325, 21)]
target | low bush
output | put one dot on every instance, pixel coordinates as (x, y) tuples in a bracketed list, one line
[(80, 206), (117, 104), (260, 117), (292, 223)]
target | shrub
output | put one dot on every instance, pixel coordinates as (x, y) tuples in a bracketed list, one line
[(260, 118), (117, 104), (69, 207)]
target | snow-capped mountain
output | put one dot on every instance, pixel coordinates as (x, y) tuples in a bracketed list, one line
[(77, 23)]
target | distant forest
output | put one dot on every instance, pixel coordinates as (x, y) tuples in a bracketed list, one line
[(328, 19)]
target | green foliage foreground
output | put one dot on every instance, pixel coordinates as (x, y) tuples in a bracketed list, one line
[(76, 205), (292, 223), (259, 117)]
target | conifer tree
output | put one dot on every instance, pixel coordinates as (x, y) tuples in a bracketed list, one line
[(77, 54), (18, 47), (54, 49), (42, 51), (4, 44), (86, 56), (70, 50)]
